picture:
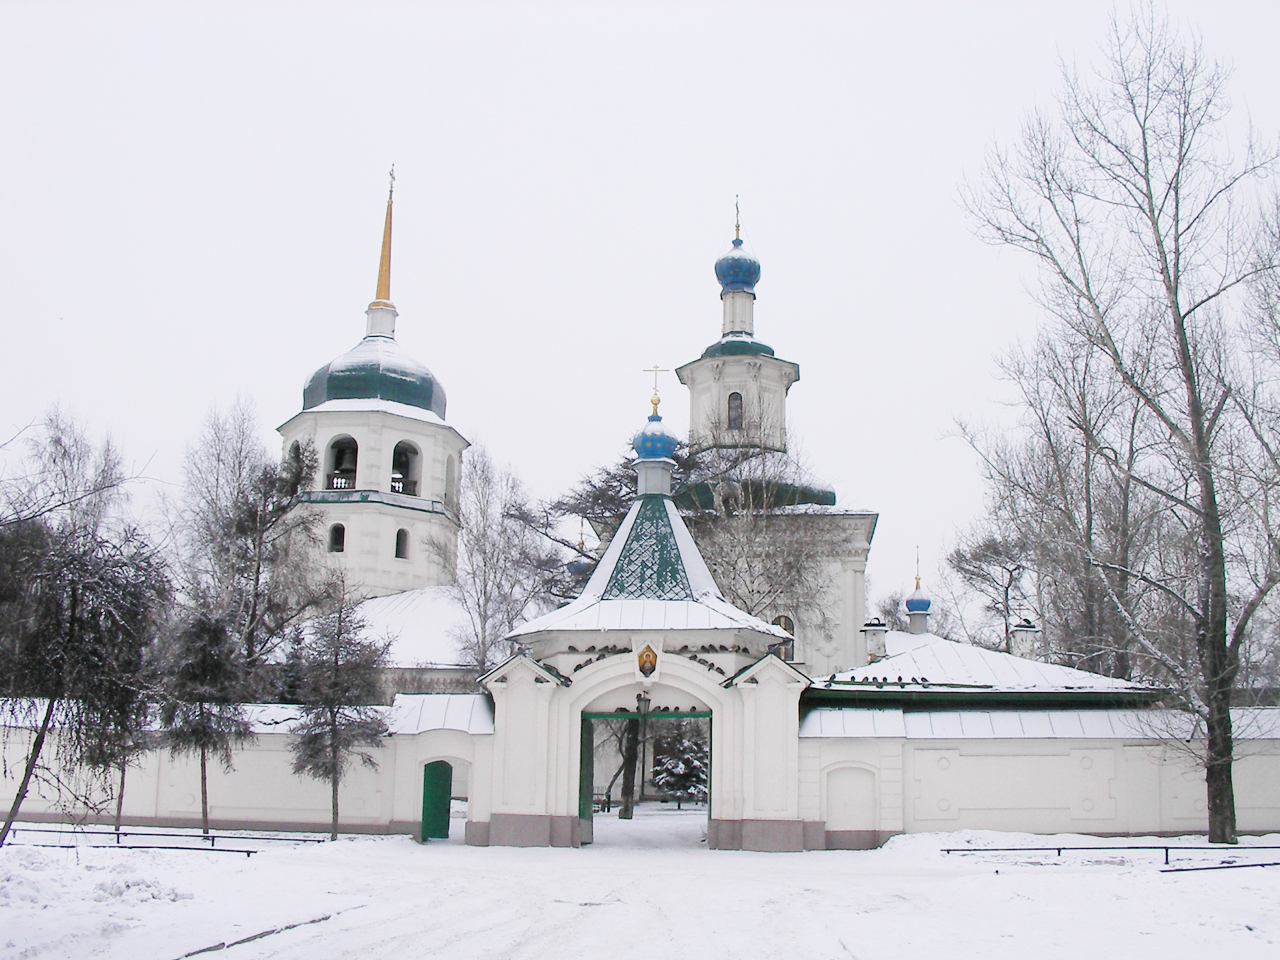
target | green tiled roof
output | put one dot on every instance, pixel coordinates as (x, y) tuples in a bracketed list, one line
[(649, 567)]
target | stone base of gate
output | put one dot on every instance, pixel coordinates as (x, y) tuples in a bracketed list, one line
[(770, 836), (856, 839), (526, 830)]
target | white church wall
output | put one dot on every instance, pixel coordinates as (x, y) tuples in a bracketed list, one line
[(762, 382)]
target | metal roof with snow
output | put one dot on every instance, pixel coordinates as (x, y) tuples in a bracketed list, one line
[(921, 668), (651, 577), (1253, 723)]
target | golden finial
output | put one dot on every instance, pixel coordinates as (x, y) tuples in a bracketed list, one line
[(582, 544), (917, 567), (655, 370), (384, 265), (737, 219)]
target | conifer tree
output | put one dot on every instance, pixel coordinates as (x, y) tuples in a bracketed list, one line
[(680, 762), (338, 686), (202, 713)]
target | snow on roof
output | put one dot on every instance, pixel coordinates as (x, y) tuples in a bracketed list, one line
[(1251, 723), (408, 714), (823, 509), (423, 626), (365, 405), (706, 610), (924, 661), (418, 712)]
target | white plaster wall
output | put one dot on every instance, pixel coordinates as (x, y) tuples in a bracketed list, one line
[(829, 635), (369, 558), (261, 788), (763, 382), (1040, 786)]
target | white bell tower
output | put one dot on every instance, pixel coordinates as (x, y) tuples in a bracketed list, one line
[(389, 465)]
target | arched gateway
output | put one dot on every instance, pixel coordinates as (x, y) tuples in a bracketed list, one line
[(650, 623)]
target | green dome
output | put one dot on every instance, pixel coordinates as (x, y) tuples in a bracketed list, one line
[(731, 346), (375, 369)]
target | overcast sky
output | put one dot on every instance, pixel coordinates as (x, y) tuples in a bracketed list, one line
[(192, 198)]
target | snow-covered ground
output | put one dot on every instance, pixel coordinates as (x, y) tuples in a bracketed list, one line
[(646, 889)]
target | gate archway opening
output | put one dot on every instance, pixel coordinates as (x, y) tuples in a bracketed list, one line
[(645, 777)]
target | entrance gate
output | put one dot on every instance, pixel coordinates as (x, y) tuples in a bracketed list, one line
[(587, 759), (437, 791)]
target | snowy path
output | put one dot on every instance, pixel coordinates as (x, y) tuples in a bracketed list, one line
[(647, 889)]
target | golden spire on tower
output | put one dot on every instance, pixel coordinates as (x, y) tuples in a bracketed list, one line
[(383, 296)]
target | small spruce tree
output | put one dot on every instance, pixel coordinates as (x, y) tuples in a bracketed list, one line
[(202, 713), (680, 762), (337, 673)]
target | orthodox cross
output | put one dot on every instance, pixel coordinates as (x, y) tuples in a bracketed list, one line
[(655, 370)]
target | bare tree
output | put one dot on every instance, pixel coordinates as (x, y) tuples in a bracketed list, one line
[(1148, 235), (248, 546), (505, 569), (994, 568)]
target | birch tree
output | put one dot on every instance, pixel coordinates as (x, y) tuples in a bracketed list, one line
[(248, 548)]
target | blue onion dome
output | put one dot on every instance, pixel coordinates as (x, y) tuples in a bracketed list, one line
[(918, 601), (737, 270), (653, 442), (376, 369), (579, 567)]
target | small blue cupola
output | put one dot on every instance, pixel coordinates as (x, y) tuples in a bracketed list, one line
[(918, 606), (653, 442), (738, 270), (655, 452)]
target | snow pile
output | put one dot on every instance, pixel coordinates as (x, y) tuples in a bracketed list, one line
[(50, 902)]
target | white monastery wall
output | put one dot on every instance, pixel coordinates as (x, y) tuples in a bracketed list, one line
[(773, 787)]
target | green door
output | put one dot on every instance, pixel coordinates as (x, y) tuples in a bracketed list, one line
[(437, 790)]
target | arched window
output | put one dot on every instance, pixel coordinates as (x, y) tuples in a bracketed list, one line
[(402, 544), (735, 411), (341, 464), (337, 538), (404, 469)]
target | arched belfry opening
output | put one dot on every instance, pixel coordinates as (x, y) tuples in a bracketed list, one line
[(340, 464), (406, 469)]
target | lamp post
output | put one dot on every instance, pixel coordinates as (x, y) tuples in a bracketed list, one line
[(642, 707)]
